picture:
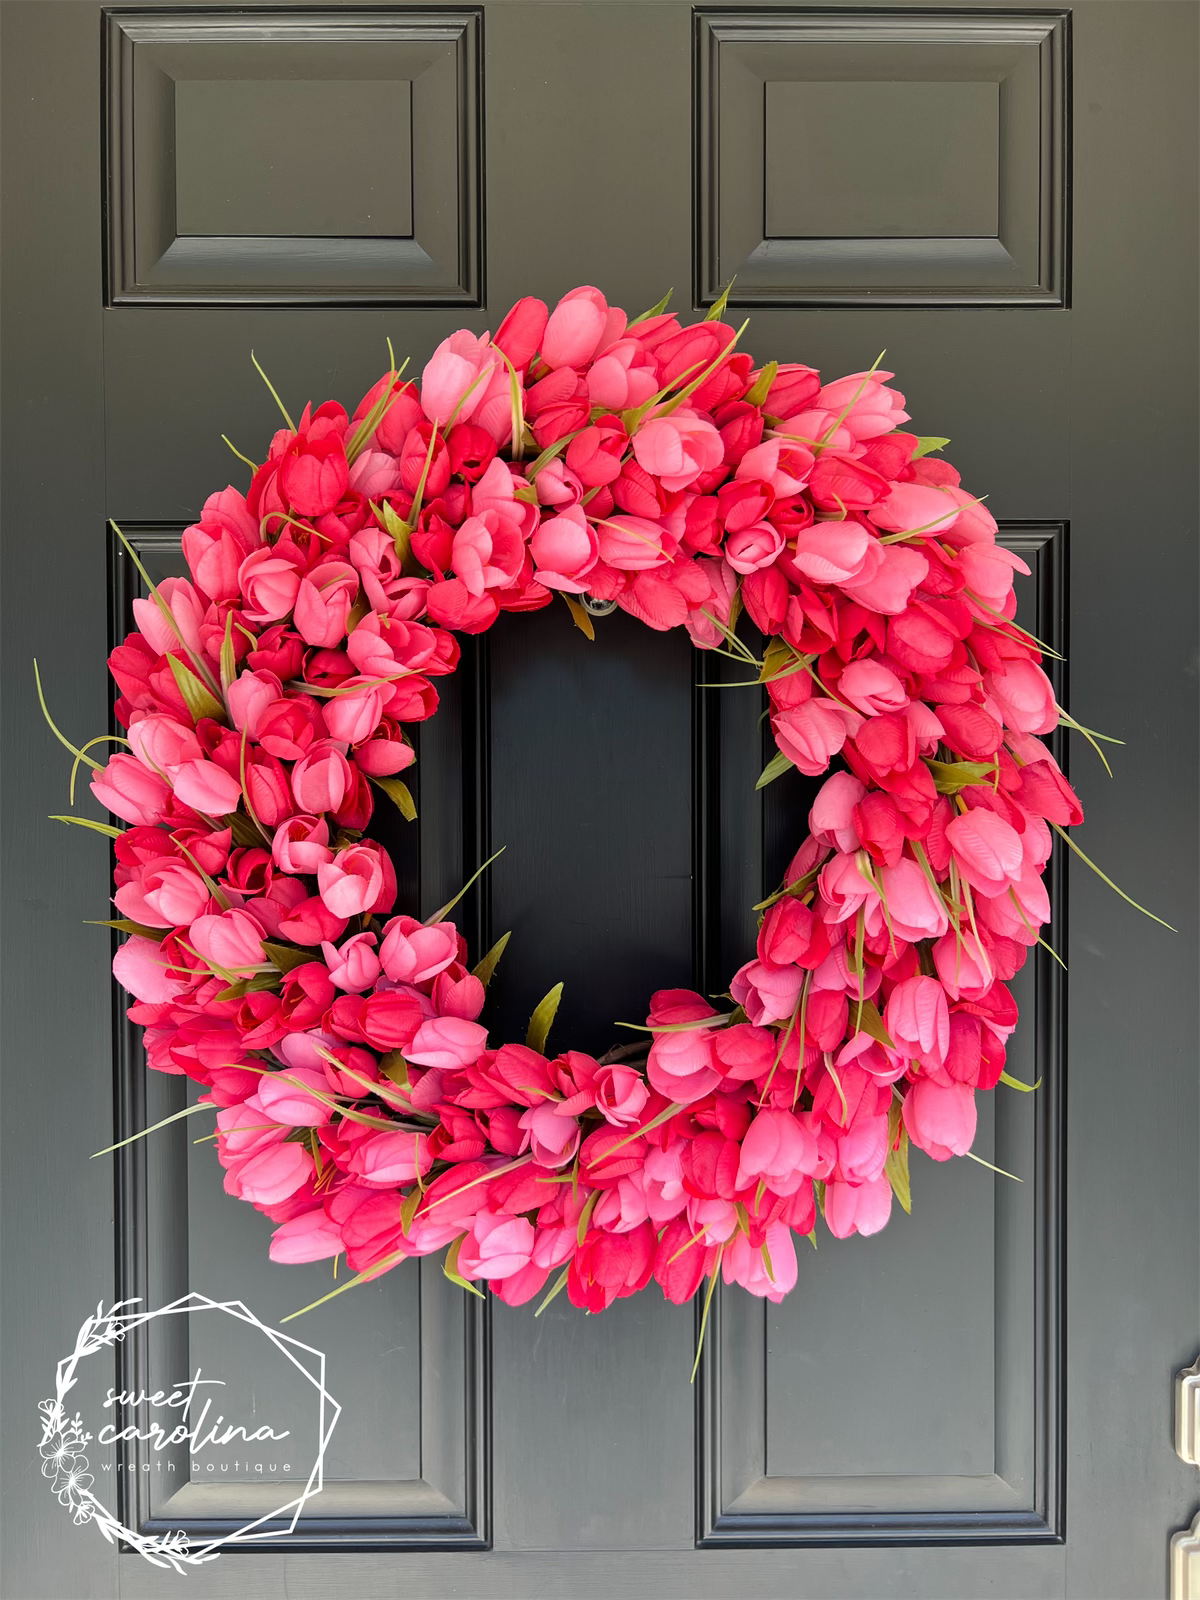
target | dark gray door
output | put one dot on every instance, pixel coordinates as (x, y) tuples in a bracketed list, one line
[(976, 1402)]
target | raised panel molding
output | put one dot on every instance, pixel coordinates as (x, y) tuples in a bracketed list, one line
[(436, 1339), (212, 200), (1016, 1495), (882, 158)]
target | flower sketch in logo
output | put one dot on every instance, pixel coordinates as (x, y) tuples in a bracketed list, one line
[(64, 1437)]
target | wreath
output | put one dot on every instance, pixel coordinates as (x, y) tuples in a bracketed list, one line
[(267, 702)]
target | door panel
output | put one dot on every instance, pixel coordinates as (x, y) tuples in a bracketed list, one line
[(977, 1401)]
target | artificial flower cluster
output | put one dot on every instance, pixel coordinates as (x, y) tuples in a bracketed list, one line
[(267, 702)]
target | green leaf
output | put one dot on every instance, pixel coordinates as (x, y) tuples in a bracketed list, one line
[(1015, 1083), (244, 829), (86, 822), (774, 768), (757, 395), (228, 659), (401, 533), (408, 1208), (486, 969), (450, 1268), (654, 311), (543, 1016), (717, 310), (124, 925), (866, 1019), (60, 736), (168, 615), (559, 1284), (779, 661), (285, 956), (395, 1069), (375, 416), (188, 1111), (547, 456), (580, 617), (896, 1165), (274, 395), (368, 1273), (927, 443), (400, 795), (198, 699), (440, 914), (951, 776)]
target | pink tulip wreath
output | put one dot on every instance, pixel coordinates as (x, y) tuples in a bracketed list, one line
[(360, 1103)]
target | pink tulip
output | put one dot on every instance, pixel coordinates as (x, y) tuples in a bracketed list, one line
[(913, 508), (988, 570), (873, 408), (676, 449), (987, 850), (889, 586), (142, 967), (169, 895), (130, 792), (187, 613), (553, 1138), (388, 1160), (681, 1065), (1025, 696), (752, 548), (496, 1247), (836, 552), (352, 882), (374, 474), (812, 734), (633, 544), (766, 993), (746, 1265), (355, 966), (565, 549), (917, 1018), (623, 377), (322, 779), (577, 327), (414, 953), (301, 844), (520, 334), (353, 717), (282, 1097), (249, 696), (454, 379), (230, 941), (269, 583), (857, 1207), (270, 1176), (916, 911), (940, 1118), (207, 788), (447, 1042), (872, 688), (487, 552), (962, 966), (621, 1095), (779, 1149), (323, 602), (311, 1236), (162, 745), (832, 815)]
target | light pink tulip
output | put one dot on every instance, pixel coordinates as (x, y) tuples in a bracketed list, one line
[(207, 788), (743, 1264), (447, 1042), (682, 1066), (987, 850), (832, 815), (187, 613), (857, 1207), (282, 1097), (496, 1246), (868, 408), (872, 688), (312, 1236), (812, 734), (354, 966), (1025, 696), (633, 544), (621, 1095), (778, 1148), (130, 792), (766, 993), (553, 1138), (169, 894), (455, 377), (579, 324), (565, 549), (301, 844), (231, 941), (322, 779), (162, 745), (352, 882), (269, 584), (940, 1118), (141, 967), (353, 717), (918, 1020), (915, 508), (676, 449), (413, 953)]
